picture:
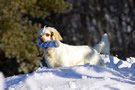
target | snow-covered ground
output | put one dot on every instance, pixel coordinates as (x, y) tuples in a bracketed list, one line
[(118, 75)]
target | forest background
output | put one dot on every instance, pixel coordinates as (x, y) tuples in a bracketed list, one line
[(80, 22)]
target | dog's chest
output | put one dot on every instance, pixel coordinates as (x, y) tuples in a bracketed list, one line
[(50, 55)]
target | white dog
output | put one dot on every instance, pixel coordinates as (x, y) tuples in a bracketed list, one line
[(69, 55)]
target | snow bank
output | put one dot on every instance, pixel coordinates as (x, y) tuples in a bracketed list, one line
[(2, 81), (118, 75)]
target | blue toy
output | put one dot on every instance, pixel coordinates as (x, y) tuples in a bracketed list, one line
[(52, 44)]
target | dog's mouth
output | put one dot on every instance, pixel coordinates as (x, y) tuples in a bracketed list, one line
[(48, 44), (42, 39), (46, 48)]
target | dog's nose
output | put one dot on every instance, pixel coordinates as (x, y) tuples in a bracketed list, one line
[(42, 39)]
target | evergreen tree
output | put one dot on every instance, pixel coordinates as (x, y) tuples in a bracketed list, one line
[(18, 32)]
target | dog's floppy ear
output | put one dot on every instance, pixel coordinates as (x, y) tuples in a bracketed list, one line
[(55, 34)]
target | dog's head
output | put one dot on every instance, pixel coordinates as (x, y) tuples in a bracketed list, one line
[(48, 33)]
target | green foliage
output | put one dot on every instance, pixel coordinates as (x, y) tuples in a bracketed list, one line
[(18, 34), (58, 6)]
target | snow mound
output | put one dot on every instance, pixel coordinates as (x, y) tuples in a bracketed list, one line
[(2, 81), (118, 75)]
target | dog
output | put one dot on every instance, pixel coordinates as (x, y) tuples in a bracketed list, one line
[(69, 55)]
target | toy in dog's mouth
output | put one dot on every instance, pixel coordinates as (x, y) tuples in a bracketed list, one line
[(52, 44)]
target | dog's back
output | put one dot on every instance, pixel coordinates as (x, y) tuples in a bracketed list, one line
[(78, 55)]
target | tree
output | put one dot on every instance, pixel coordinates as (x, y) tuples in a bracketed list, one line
[(18, 32)]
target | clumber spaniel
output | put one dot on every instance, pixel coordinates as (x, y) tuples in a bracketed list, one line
[(68, 55)]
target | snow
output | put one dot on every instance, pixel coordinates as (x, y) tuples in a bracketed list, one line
[(2, 81), (117, 75)]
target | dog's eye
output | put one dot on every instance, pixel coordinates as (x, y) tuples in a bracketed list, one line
[(47, 34)]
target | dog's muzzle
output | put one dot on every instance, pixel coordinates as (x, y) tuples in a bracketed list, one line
[(42, 39)]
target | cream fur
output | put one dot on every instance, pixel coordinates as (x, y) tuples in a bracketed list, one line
[(68, 55)]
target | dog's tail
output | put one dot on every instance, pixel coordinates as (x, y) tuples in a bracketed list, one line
[(103, 46)]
